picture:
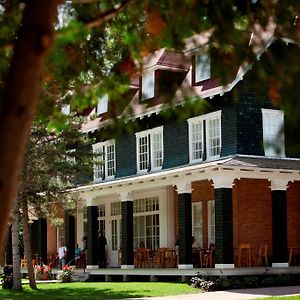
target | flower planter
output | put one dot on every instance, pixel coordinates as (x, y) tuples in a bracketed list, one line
[(42, 276)]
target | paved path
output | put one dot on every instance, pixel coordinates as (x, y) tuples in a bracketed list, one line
[(236, 294)]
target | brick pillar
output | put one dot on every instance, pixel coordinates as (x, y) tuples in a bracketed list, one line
[(127, 231), (279, 224), (70, 237), (184, 191), (42, 239), (92, 237)]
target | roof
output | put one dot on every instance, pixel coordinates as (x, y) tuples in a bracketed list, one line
[(168, 60), (263, 163)]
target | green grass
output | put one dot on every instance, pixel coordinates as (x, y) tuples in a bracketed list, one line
[(98, 290)]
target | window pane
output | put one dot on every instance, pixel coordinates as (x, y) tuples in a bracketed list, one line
[(148, 86), (202, 65)]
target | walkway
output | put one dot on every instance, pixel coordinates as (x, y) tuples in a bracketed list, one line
[(236, 294)]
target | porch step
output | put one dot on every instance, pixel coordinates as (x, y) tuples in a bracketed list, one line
[(80, 276)]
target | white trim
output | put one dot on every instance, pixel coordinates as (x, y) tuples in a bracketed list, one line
[(224, 266), (127, 267), (221, 181), (279, 184), (184, 188), (185, 267), (280, 265), (126, 196), (92, 267)]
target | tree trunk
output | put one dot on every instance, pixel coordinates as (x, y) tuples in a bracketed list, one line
[(21, 92), (16, 250), (27, 246)]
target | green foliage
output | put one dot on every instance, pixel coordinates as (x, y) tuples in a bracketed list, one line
[(94, 38), (52, 165)]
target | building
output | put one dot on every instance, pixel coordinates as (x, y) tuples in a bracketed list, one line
[(222, 172)]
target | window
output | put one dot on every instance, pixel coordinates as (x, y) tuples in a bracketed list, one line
[(146, 222), (105, 162), (273, 136), (115, 211), (60, 234), (213, 133), (211, 221), (149, 150), (148, 86), (202, 67), (197, 223), (208, 145), (102, 106), (101, 217)]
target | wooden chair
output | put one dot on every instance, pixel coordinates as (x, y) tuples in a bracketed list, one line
[(160, 259), (262, 255), (245, 250), (208, 257), (142, 258), (23, 263)]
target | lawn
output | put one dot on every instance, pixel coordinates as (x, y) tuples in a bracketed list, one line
[(98, 290)]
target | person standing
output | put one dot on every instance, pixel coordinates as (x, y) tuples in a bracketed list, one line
[(101, 249), (62, 255)]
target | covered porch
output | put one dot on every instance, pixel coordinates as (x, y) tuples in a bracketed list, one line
[(248, 206)]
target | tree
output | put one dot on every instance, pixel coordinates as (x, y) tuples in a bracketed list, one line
[(50, 167), (93, 37)]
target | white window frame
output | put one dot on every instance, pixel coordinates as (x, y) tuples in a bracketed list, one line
[(101, 217), (102, 106), (199, 120), (148, 79), (192, 123), (60, 234), (273, 141), (146, 209), (209, 117), (108, 171), (197, 225), (211, 222), (202, 67), (151, 158)]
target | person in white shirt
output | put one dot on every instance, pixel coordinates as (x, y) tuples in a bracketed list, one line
[(62, 255)]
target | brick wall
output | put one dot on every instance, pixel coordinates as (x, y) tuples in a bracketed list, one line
[(252, 213)]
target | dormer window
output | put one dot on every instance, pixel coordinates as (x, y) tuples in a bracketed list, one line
[(202, 67), (147, 85), (102, 105), (273, 123)]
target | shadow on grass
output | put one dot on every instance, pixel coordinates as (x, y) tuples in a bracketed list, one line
[(64, 292)]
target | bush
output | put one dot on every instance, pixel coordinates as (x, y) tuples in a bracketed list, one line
[(201, 283), (251, 282)]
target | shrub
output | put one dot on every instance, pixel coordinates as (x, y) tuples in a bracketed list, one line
[(201, 283)]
